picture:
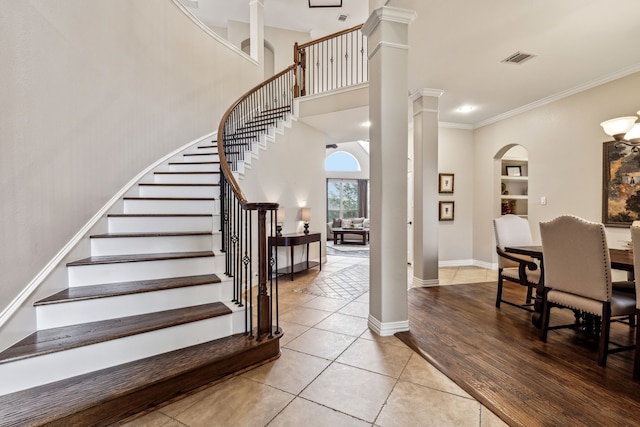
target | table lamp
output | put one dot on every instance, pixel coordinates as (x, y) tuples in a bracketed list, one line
[(279, 220), (305, 214)]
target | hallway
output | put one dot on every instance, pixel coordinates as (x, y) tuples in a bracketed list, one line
[(333, 370)]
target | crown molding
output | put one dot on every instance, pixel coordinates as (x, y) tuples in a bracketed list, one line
[(450, 125), (560, 95)]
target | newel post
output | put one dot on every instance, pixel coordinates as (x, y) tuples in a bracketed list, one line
[(296, 62), (264, 300)]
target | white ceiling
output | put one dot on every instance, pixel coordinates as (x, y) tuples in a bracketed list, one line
[(458, 45)]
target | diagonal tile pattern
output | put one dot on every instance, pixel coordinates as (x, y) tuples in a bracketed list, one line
[(333, 370)]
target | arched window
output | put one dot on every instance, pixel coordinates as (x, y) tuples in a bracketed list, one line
[(342, 161)]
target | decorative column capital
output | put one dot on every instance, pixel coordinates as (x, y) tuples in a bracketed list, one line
[(388, 14), (420, 93)]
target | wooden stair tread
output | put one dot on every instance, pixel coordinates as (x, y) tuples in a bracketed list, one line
[(162, 234), (194, 163), (53, 340), (107, 396), (115, 259), (187, 173), (79, 293), (168, 198), (156, 215), (153, 184)]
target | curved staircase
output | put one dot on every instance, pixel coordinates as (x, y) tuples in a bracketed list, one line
[(148, 317)]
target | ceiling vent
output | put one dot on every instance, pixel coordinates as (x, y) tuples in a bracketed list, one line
[(518, 58), (342, 18)]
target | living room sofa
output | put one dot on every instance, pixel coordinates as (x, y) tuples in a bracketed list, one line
[(347, 223)]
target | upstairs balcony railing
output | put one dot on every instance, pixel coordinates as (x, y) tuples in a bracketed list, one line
[(331, 62), (328, 63)]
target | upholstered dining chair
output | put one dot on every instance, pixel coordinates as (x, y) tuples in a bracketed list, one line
[(635, 244), (577, 272), (512, 230)]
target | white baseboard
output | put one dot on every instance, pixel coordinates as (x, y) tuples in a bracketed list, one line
[(468, 263), (420, 282)]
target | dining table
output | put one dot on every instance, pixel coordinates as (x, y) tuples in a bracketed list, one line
[(621, 259)]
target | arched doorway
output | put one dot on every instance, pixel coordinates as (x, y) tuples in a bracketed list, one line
[(268, 56)]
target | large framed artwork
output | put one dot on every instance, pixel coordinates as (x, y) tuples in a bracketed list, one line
[(620, 185)]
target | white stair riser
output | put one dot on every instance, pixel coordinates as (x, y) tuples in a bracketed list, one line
[(93, 310), (240, 317), (179, 191), (186, 167), (150, 245), (145, 224), (202, 150), (137, 206), (186, 178), (34, 371), (95, 274), (201, 157)]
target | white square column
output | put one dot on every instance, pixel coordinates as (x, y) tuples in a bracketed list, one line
[(425, 186), (387, 32), (256, 31)]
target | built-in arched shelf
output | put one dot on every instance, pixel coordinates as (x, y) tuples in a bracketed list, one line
[(514, 180)]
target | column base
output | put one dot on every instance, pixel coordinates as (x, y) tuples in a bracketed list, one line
[(388, 328)]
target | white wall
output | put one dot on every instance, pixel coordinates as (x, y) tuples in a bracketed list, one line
[(455, 155), (281, 40), (92, 93), (564, 141), (291, 173)]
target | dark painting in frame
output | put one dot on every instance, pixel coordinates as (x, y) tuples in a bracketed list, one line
[(620, 185)]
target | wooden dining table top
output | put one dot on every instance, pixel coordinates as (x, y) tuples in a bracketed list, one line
[(621, 259)]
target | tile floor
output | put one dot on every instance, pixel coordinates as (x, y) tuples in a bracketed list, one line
[(333, 371)]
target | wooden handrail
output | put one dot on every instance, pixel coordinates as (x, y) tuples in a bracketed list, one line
[(224, 165), (239, 129), (330, 36)]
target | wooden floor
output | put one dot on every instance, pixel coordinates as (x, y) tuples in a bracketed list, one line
[(497, 357)]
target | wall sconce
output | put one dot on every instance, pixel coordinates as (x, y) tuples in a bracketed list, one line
[(625, 130), (305, 214), (279, 220)]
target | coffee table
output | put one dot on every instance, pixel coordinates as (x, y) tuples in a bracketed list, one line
[(340, 232)]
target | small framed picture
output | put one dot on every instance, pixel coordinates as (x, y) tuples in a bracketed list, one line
[(445, 183), (446, 211), (514, 170)]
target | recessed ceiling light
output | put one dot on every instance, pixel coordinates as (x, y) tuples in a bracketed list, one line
[(366, 124), (465, 109), (325, 3)]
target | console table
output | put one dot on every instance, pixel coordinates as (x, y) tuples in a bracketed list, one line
[(293, 240)]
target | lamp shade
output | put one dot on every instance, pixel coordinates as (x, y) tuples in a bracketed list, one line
[(618, 126), (305, 214), (280, 216)]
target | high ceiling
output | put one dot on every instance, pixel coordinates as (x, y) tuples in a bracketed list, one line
[(458, 45)]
